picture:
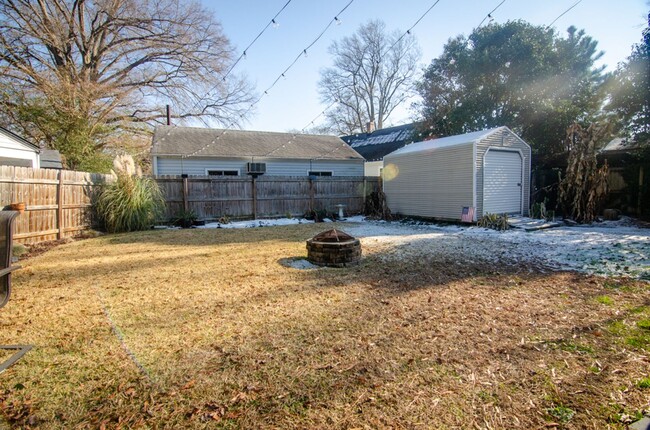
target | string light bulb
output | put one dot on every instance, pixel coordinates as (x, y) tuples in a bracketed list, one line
[(338, 21), (275, 23)]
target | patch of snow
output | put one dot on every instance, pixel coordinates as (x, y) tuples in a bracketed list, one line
[(257, 223), (609, 248), (302, 264)]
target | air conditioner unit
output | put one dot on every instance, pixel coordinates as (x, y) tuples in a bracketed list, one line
[(256, 168)]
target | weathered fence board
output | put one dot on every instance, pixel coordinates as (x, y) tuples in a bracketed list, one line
[(57, 201), (267, 196)]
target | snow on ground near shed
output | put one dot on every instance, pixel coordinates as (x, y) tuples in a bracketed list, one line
[(608, 248)]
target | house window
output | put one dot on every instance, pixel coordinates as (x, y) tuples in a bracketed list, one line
[(319, 173), (223, 172)]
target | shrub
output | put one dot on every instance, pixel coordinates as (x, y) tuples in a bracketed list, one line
[(494, 221), (184, 219), (129, 203)]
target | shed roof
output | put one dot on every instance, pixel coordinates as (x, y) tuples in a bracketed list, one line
[(374, 146), (459, 139), (210, 142)]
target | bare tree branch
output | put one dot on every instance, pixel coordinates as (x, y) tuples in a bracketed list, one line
[(368, 79), (115, 62)]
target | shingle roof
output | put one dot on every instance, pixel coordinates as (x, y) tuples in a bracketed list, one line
[(51, 159), (210, 142), (374, 146)]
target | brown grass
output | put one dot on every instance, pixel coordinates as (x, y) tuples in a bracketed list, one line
[(205, 329)]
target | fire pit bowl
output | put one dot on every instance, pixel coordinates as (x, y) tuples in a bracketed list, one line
[(334, 248)]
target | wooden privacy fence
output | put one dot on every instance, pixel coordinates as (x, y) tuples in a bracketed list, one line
[(57, 202), (212, 197)]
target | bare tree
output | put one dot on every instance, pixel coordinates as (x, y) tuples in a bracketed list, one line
[(107, 66), (373, 73)]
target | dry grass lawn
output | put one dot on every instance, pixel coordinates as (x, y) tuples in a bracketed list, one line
[(206, 329)]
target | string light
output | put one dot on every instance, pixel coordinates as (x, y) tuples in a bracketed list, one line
[(563, 13), (407, 32), (281, 75), (489, 15), (223, 78)]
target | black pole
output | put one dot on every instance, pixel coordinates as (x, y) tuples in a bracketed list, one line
[(169, 116)]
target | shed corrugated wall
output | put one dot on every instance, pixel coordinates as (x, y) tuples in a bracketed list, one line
[(503, 138), (436, 183), (276, 167)]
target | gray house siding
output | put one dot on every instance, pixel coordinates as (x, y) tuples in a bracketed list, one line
[(504, 139), (274, 167), (435, 184)]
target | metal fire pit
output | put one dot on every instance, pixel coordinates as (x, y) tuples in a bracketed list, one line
[(334, 248)]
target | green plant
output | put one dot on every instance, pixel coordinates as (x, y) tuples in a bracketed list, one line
[(644, 324), (605, 300), (561, 413), (184, 219), (318, 215), (19, 249), (129, 203), (644, 383), (494, 221), (539, 211)]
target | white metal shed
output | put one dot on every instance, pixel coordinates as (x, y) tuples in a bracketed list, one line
[(486, 170)]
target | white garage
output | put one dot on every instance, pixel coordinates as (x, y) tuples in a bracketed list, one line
[(487, 171)]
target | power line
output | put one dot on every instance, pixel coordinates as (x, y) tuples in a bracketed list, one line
[(489, 15), (563, 13)]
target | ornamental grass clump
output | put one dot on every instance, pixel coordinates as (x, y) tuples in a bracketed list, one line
[(131, 202)]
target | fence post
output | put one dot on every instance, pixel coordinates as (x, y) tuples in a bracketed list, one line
[(185, 190), (254, 196), (639, 200), (59, 209), (311, 194)]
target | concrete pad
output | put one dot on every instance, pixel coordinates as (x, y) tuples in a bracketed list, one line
[(531, 224)]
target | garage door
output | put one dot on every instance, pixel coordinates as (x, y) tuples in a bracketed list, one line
[(502, 182)]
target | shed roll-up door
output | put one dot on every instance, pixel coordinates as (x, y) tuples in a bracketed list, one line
[(502, 182)]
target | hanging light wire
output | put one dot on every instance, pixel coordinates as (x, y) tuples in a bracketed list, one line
[(564, 13), (266, 92), (243, 55), (387, 51), (489, 15)]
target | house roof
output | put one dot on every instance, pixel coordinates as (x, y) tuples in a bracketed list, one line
[(51, 159), (210, 142), (24, 141), (458, 139), (374, 146)]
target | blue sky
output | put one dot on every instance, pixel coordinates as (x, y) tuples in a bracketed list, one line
[(294, 102)]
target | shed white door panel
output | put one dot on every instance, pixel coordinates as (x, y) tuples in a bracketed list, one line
[(502, 182)]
